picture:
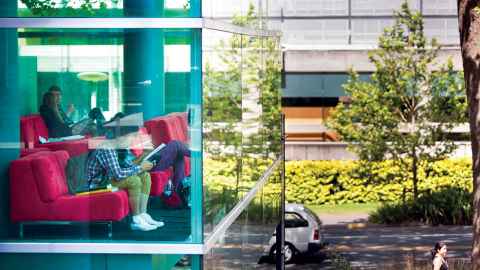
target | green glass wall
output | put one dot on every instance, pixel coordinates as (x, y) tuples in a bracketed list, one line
[(241, 118), (100, 69), (232, 111), (250, 239), (100, 261)]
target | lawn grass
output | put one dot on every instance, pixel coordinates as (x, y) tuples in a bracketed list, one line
[(345, 208)]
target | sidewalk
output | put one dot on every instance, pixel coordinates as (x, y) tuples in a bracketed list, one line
[(374, 245)]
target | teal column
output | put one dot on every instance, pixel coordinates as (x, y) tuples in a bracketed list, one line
[(10, 104), (144, 77), (195, 8), (196, 136)]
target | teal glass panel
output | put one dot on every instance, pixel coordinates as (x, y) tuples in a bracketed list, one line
[(241, 117), (222, 115), (177, 262), (317, 85), (99, 261), (104, 8), (248, 242), (152, 78)]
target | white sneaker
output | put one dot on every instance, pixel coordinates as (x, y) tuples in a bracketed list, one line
[(148, 219), (139, 224)]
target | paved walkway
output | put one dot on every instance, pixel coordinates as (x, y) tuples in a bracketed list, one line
[(372, 246), (365, 246)]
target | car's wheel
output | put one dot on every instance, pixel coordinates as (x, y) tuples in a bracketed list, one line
[(290, 252)]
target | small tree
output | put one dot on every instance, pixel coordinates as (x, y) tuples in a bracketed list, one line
[(403, 113), (248, 63)]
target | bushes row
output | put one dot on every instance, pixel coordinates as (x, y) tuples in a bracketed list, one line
[(448, 206), (338, 182), (335, 182)]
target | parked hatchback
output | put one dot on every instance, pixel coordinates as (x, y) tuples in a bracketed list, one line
[(302, 232)]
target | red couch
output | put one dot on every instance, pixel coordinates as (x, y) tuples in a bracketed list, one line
[(163, 129), (33, 126), (39, 192)]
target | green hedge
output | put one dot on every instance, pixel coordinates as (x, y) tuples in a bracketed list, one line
[(335, 182), (338, 182), (447, 206)]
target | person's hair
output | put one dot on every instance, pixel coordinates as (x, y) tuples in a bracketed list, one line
[(96, 114), (54, 88), (49, 101), (436, 248)]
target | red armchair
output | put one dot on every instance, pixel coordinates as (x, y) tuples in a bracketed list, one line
[(32, 126), (164, 129), (39, 194)]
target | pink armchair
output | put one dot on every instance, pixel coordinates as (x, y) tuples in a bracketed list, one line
[(33, 126), (39, 194)]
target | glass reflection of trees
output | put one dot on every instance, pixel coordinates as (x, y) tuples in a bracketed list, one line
[(241, 118)]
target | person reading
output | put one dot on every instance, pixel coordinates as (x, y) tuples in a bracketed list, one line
[(171, 154), (106, 165)]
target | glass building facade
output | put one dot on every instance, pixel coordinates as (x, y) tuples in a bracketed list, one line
[(356, 22), (164, 72), (324, 40)]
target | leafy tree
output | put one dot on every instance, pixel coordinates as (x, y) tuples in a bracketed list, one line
[(405, 111), (247, 71), (248, 63)]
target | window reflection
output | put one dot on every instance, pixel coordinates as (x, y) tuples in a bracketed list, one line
[(103, 8), (241, 117)]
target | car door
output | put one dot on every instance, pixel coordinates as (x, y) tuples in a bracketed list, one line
[(297, 231)]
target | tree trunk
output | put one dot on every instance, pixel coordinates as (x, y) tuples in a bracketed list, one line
[(415, 174), (469, 26)]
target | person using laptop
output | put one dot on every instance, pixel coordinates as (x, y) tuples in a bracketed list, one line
[(59, 122)]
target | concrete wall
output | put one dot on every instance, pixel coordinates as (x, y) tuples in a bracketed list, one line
[(338, 151), (342, 60)]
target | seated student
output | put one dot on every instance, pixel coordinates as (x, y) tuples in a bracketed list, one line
[(57, 93), (52, 117), (172, 155), (88, 125), (104, 165)]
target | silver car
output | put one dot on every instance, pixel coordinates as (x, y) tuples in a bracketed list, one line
[(302, 232)]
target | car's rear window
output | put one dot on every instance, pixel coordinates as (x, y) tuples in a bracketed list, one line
[(313, 215)]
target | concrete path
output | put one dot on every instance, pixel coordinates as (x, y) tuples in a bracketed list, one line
[(365, 246), (373, 246)]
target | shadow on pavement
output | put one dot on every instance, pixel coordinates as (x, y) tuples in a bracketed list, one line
[(302, 261)]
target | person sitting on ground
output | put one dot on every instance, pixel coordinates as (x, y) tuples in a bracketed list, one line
[(439, 254), (104, 166)]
